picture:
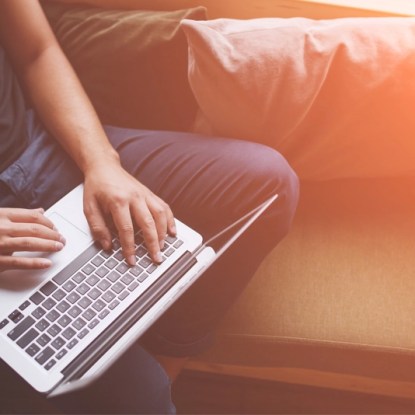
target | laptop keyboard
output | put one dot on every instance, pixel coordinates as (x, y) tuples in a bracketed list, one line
[(73, 303)]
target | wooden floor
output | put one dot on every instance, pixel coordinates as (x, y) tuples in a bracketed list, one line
[(201, 393)]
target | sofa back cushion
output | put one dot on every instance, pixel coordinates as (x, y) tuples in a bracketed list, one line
[(336, 97), (132, 63)]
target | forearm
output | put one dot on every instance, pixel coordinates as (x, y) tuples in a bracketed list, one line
[(65, 109)]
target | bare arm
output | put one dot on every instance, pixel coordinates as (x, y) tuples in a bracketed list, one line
[(67, 113)]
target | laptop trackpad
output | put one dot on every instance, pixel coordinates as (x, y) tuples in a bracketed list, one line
[(17, 284)]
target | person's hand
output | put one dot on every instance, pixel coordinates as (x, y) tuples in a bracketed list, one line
[(26, 230), (112, 193)]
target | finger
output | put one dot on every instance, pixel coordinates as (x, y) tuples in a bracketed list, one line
[(122, 220), (145, 221), (34, 230), (158, 210), (12, 262), (30, 216), (98, 226), (32, 244), (171, 223)]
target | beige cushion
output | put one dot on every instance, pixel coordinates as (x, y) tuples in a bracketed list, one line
[(336, 297), (336, 97)]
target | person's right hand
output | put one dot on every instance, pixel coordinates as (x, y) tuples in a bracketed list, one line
[(26, 230)]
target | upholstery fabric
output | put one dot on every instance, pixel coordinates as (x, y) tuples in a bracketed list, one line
[(336, 97), (132, 63)]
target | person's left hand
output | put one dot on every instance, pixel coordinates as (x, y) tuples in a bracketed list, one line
[(111, 192)]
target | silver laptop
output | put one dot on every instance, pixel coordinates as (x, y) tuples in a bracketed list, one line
[(63, 327)]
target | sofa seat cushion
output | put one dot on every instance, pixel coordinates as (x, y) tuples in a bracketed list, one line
[(337, 295)]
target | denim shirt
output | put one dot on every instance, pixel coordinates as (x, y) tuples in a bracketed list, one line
[(13, 137)]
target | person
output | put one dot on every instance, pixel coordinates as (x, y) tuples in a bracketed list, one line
[(131, 178)]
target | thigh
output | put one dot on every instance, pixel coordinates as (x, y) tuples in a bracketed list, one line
[(210, 182)]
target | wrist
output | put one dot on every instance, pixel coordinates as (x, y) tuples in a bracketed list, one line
[(101, 160)]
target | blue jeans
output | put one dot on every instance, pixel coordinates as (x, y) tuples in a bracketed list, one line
[(208, 182)]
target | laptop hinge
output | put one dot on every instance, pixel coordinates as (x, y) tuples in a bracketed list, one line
[(88, 357)]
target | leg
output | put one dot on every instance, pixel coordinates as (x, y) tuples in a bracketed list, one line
[(135, 384), (209, 182)]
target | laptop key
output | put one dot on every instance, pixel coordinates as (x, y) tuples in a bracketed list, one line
[(52, 316), (103, 314), (68, 333), (38, 312), (44, 355), (73, 297), (16, 316), (89, 314), (88, 269), (63, 306), (84, 302), (32, 350), (48, 288), (37, 298), (49, 303), (79, 323), (61, 354), (59, 294), (54, 330), (133, 286), (92, 280), (93, 324), (83, 333), (43, 340), (4, 323), (27, 338), (72, 343), (42, 325), (64, 321), (108, 296), (98, 260), (50, 364), (123, 295), (111, 263), (22, 327), (104, 285), (75, 311), (98, 305), (69, 286), (145, 262), (102, 271), (24, 305), (79, 277), (58, 343), (118, 287), (113, 276), (114, 304), (83, 289), (94, 293), (143, 277)]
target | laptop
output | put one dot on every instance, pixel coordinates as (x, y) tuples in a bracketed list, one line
[(62, 327)]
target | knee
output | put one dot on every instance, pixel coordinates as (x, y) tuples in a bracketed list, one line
[(272, 174)]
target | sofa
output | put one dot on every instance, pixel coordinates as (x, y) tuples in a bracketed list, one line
[(327, 323)]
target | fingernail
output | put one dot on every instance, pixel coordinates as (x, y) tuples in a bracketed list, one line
[(62, 239), (58, 246), (174, 229), (162, 244), (105, 245), (131, 260), (41, 210), (158, 257), (45, 263)]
